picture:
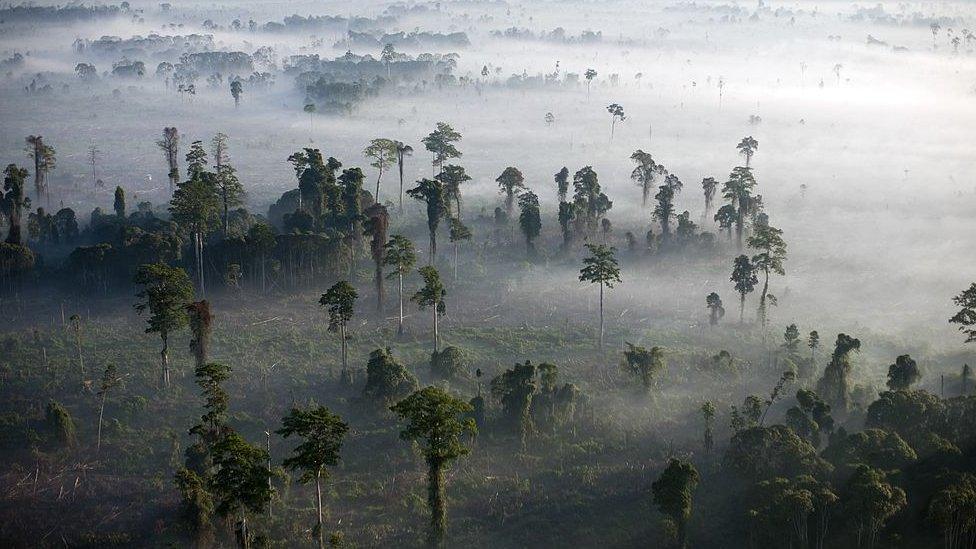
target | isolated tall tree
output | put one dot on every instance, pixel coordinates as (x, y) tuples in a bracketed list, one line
[(436, 421), (377, 223), (228, 187), (201, 327), (562, 183), (195, 207), (14, 201), (530, 219), (237, 91), (738, 191), (340, 301), (645, 174), (43, 156), (747, 148), (966, 316), (834, 386), (664, 210), (240, 483), (110, 379), (600, 267), (644, 364), (431, 193), (715, 309), (452, 177), (768, 241), (322, 433), (510, 183), (402, 152), (431, 295), (813, 342), (459, 233), (903, 374), (745, 280), (399, 254), (382, 153), (616, 113), (673, 494), (709, 186), (170, 145), (119, 204), (165, 294), (440, 143), (590, 74), (388, 56)]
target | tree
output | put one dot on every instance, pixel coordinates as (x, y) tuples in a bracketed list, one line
[(709, 186), (510, 183), (436, 421), (240, 483), (382, 153), (903, 374), (747, 147), (966, 317), (965, 377), (644, 364), (448, 364), (170, 145), (769, 242), (236, 91), (645, 173), (431, 295), (834, 385), (119, 204), (664, 211), (530, 220), (725, 217), (953, 509), (43, 156), (431, 193), (600, 267), (388, 56), (310, 109), (708, 416), (201, 326), (340, 300), (452, 177), (402, 152), (75, 321), (459, 233), (590, 202), (745, 279), (377, 223), (616, 112), (110, 379), (228, 187), (673, 493), (400, 255), (562, 183), (14, 201), (590, 74), (440, 143), (194, 207), (738, 191), (715, 309), (567, 217), (813, 342), (322, 433), (165, 294), (876, 448), (386, 377), (869, 501), (514, 388)]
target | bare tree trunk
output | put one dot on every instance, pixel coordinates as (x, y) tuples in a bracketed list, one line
[(436, 334), (342, 335), (165, 356), (101, 411), (400, 292), (601, 316), (318, 499), (455, 260), (400, 165), (438, 507)]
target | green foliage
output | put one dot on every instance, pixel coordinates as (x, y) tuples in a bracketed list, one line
[(673, 493), (340, 301), (834, 385), (448, 363), (876, 448), (869, 501), (440, 143), (240, 483), (600, 267), (432, 293), (966, 316), (510, 183), (322, 433), (758, 453), (644, 364), (514, 388), (59, 425), (903, 374), (386, 378), (165, 294), (400, 255)]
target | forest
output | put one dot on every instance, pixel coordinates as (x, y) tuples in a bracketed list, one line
[(493, 274)]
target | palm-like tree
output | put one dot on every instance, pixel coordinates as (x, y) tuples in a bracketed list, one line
[(768, 241), (747, 147), (431, 193), (402, 152), (399, 254), (600, 267)]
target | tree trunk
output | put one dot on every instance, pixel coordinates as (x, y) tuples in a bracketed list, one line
[(682, 533), (342, 335), (601, 316), (380, 176), (455, 260), (400, 166), (400, 299), (438, 506), (101, 411), (742, 307), (318, 499), (165, 356), (435, 327), (433, 246)]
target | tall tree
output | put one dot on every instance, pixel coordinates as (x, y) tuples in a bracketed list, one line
[(745, 280), (322, 433), (431, 193), (709, 186), (377, 223), (402, 152), (459, 233), (431, 295), (165, 294), (43, 156), (240, 483), (510, 183), (119, 204), (436, 421), (340, 301), (452, 177), (673, 493), (170, 145), (382, 153), (768, 241), (590, 74), (14, 201), (664, 210), (645, 173), (835, 386), (869, 500), (738, 191), (201, 327), (590, 201), (440, 143), (903, 374), (715, 309), (110, 379), (644, 364), (530, 219), (514, 388), (966, 316), (228, 187), (616, 113), (747, 148), (562, 183), (195, 207), (237, 91), (400, 255), (708, 416), (600, 267)]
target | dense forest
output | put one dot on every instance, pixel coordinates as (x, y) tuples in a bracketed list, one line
[(389, 288)]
